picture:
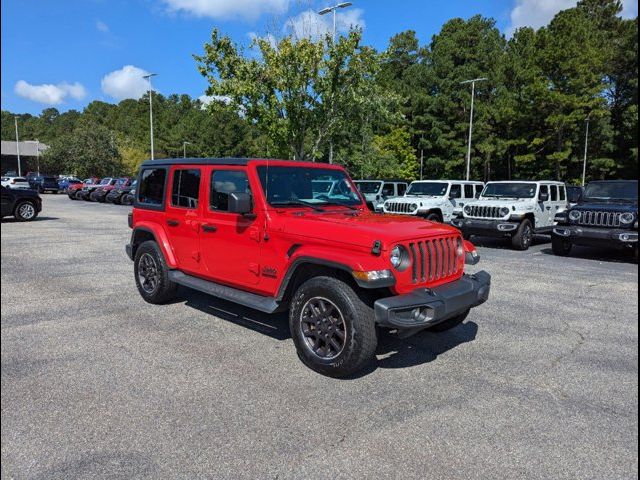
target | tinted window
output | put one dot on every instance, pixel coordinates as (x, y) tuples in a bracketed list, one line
[(224, 182), (186, 188), (510, 190), (543, 189), (468, 191), (388, 190), (368, 187), (151, 189), (402, 187), (554, 193), (563, 194), (437, 189), (478, 190), (456, 191), (612, 190)]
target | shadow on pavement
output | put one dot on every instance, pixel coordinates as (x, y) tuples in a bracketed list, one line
[(37, 219), (598, 254), (504, 243)]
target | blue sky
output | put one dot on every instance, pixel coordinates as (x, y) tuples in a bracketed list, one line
[(66, 53)]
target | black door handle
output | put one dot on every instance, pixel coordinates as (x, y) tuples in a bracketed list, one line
[(209, 228), (173, 223)]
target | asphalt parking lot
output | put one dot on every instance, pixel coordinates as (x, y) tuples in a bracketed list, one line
[(540, 382)]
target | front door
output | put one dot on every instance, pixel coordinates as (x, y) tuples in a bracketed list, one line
[(230, 242), (183, 216), (546, 215)]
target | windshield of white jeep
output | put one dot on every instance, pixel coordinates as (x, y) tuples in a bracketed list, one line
[(297, 186), (611, 191), (368, 187), (436, 189), (510, 190)]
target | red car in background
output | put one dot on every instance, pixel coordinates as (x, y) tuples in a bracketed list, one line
[(100, 193), (73, 189)]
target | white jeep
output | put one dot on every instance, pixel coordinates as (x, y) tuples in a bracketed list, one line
[(435, 200), (375, 192), (515, 209)]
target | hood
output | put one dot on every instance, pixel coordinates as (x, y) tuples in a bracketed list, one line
[(617, 207), (499, 202), (360, 228), (424, 200)]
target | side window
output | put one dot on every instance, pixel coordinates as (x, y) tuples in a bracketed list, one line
[(478, 189), (186, 188), (151, 189), (388, 190), (456, 191), (402, 187), (224, 182), (554, 193), (563, 193), (468, 191), (543, 189)]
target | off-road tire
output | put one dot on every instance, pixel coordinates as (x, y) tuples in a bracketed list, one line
[(164, 290), (434, 217), (360, 341), (560, 245), (523, 237), (25, 211), (450, 323), (126, 199)]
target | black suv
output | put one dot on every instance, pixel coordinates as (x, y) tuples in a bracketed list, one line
[(606, 215), (24, 205), (45, 183)]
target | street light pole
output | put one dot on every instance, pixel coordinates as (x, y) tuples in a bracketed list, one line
[(18, 147), (184, 149), (148, 77), (586, 143), (38, 156), (473, 93)]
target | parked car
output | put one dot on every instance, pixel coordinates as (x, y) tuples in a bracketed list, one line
[(517, 210), (74, 189), (15, 182), (23, 204), (251, 232), (606, 215), (435, 200), (120, 193), (87, 190), (65, 183), (100, 193), (376, 192), (45, 183)]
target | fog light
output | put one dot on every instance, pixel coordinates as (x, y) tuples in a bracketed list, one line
[(507, 227), (422, 314), (628, 237), (563, 232)]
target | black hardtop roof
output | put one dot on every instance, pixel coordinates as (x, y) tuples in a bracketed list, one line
[(612, 181), (194, 161)]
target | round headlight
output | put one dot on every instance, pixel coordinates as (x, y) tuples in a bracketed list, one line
[(627, 217), (574, 215), (467, 209), (399, 258), (504, 211), (413, 206)]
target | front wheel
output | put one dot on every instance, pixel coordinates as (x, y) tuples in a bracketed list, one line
[(523, 236), (332, 328), (152, 274), (25, 212), (560, 246)]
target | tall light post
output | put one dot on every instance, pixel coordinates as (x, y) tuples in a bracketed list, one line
[(148, 77), (18, 147), (184, 149), (473, 93), (586, 143)]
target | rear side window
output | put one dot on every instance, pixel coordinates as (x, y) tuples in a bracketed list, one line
[(224, 182), (543, 189), (554, 193), (563, 193), (456, 191), (387, 190), (151, 190), (468, 191), (402, 187), (186, 188)]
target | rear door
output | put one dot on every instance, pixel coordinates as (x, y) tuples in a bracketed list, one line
[(183, 215)]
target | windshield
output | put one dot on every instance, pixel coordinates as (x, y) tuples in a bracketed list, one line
[(510, 190), (368, 187), (436, 189), (612, 191), (105, 181), (297, 186)]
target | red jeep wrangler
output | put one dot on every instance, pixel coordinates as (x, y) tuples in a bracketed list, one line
[(267, 235)]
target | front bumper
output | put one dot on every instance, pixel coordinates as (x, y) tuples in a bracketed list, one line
[(486, 228), (597, 237), (425, 307)]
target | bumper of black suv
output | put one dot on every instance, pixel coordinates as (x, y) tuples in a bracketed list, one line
[(425, 307), (485, 228), (597, 237)]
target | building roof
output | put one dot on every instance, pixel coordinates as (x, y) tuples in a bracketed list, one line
[(27, 148)]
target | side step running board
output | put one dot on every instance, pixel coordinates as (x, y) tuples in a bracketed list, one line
[(251, 300)]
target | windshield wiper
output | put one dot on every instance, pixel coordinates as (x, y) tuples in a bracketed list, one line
[(351, 207), (285, 203)]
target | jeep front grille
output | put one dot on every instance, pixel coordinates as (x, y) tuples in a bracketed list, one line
[(401, 207), (599, 219), (435, 259), (485, 212)]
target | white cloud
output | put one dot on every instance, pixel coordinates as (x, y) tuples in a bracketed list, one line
[(538, 13), (102, 27), (207, 99), (273, 41), (125, 83), (222, 9), (48, 93), (309, 24)]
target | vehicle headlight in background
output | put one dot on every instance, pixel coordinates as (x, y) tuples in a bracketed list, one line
[(574, 215), (504, 211), (467, 209), (627, 217), (413, 206)]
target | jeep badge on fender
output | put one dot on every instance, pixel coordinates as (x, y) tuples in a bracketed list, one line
[(269, 235)]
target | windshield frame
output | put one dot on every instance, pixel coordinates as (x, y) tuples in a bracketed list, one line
[(523, 184), (435, 182)]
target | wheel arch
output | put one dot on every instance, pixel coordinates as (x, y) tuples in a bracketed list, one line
[(144, 233)]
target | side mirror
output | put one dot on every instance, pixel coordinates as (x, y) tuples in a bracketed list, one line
[(240, 203), (543, 197)]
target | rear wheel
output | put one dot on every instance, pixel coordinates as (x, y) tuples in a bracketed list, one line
[(25, 211), (523, 236), (560, 246), (126, 200), (332, 328), (152, 274), (450, 323)]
